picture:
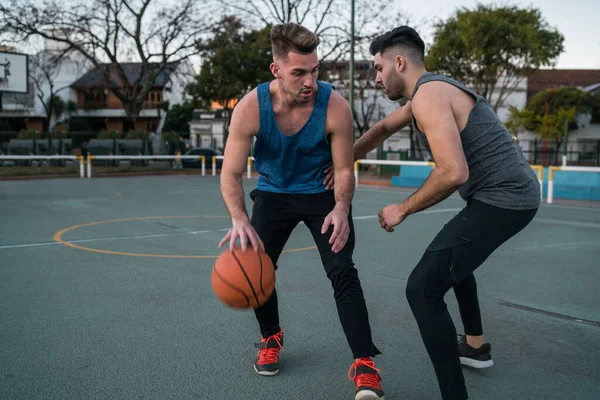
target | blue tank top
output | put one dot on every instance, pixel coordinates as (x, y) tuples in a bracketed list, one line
[(294, 163)]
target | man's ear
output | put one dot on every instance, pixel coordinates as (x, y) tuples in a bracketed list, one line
[(275, 70), (400, 63)]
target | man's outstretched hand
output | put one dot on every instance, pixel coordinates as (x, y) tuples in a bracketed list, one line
[(246, 233)]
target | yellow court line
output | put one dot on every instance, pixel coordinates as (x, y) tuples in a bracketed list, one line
[(58, 238)]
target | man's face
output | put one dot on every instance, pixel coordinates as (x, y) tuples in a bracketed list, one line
[(391, 81), (299, 75)]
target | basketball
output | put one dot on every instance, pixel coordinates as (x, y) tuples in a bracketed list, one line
[(243, 279)]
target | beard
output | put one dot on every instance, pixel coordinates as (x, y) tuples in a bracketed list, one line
[(297, 95), (395, 86)]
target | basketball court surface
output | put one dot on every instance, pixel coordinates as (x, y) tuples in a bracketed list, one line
[(105, 293)]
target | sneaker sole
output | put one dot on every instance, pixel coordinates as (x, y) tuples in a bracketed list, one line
[(368, 395), (266, 373), (469, 362)]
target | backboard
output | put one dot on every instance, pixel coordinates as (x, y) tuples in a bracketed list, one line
[(14, 70)]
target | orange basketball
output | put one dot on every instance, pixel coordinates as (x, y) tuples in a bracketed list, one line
[(243, 279)]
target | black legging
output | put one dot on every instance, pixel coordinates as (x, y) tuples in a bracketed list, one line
[(462, 245)]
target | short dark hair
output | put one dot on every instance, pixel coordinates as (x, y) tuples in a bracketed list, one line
[(292, 37), (401, 37)]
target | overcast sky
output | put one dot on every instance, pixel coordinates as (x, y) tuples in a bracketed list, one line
[(577, 20)]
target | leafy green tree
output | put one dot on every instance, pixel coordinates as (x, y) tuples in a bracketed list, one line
[(548, 110), (235, 60), (546, 113), (596, 108), (178, 117), (560, 98), (518, 120), (493, 48), (551, 126)]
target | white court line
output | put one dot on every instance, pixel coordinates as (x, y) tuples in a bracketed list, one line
[(554, 205), (16, 246), (25, 245), (363, 217), (558, 245), (442, 210), (567, 223)]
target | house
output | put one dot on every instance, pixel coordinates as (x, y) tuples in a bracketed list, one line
[(26, 111), (207, 127), (103, 110), (77, 81), (372, 105), (552, 78), (583, 145)]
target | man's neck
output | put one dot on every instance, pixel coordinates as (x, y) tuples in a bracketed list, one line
[(411, 82)]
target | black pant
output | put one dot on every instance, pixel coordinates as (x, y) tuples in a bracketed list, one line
[(274, 217), (462, 245)]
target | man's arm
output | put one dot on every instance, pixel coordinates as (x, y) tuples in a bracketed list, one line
[(244, 125), (382, 130), (339, 126), (374, 137), (433, 112), (237, 150)]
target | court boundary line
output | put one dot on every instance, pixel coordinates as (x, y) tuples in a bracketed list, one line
[(57, 237), (547, 313)]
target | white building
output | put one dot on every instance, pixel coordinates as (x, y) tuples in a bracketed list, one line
[(71, 76), (206, 129)]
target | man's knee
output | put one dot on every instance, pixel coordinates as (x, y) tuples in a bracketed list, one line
[(342, 272), (430, 277), (344, 281), (415, 287)]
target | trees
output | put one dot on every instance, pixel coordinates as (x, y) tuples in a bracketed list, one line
[(111, 33), (518, 120), (550, 112), (235, 60), (330, 20), (178, 118), (45, 70), (552, 100), (493, 48), (596, 108)]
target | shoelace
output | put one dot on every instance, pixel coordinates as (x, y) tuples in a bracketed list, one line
[(364, 379), (269, 355)]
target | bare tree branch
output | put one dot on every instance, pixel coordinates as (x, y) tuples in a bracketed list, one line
[(112, 33)]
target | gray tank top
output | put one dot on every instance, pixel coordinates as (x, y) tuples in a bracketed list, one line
[(499, 174)]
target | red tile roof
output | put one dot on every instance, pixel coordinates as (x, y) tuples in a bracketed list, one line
[(551, 78)]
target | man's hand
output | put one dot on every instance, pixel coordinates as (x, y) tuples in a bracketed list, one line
[(328, 182), (341, 229), (246, 233), (391, 216)]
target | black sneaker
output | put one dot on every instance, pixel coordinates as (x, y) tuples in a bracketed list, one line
[(476, 358), (267, 359)]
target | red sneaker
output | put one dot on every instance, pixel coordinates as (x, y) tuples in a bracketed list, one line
[(267, 360), (367, 380)]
